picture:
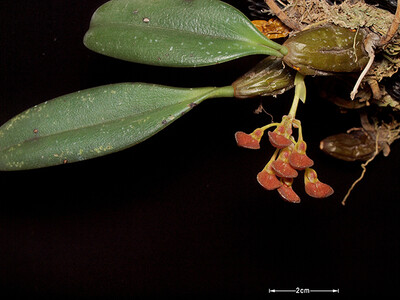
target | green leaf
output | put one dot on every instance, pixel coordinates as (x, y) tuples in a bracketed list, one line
[(94, 122), (176, 33)]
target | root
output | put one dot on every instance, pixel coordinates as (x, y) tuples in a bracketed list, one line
[(364, 167), (369, 43)]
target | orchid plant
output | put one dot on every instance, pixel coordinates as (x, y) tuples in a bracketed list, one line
[(182, 33)]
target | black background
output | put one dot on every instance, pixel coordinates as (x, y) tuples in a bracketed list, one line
[(182, 213)]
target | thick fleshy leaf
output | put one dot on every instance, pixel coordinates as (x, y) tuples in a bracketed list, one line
[(94, 122), (178, 33)]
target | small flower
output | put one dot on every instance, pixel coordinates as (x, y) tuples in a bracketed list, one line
[(298, 159), (249, 141), (314, 187), (267, 179), (286, 191), (280, 137), (278, 140), (281, 165)]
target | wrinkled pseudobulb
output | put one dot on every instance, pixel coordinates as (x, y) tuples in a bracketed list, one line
[(356, 145), (327, 50)]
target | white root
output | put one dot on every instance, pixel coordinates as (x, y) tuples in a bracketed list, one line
[(369, 45)]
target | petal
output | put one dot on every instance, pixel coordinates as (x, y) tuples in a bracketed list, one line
[(246, 140), (287, 193), (278, 141), (283, 169), (318, 189), (268, 181), (300, 161)]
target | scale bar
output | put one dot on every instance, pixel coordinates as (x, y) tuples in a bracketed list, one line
[(303, 291), (325, 291)]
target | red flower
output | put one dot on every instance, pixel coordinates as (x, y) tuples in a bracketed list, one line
[(267, 179), (314, 187), (250, 141), (286, 191), (278, 140), (298, 159), (280, 137), (282, 167)]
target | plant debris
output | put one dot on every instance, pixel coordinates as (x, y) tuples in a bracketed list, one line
[(306, 14)]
